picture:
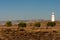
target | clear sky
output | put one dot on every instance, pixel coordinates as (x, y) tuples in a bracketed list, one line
[(29, 9)]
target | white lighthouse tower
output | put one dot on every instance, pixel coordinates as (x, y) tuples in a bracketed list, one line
[(53, 17)]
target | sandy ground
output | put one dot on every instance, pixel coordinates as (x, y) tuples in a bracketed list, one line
[(13, 33)]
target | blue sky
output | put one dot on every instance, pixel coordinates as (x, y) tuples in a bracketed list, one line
[(29, 9)]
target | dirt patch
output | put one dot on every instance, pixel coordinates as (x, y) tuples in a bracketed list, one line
[(9, 34)]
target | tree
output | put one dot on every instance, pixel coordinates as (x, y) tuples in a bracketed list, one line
[(37, 24), (52, 24), (8, 23)]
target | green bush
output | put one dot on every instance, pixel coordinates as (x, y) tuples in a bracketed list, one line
[(8, 23), (51, 24), (22, 24), (37, 24)]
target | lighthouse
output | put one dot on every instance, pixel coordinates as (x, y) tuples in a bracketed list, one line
[(52, 17)]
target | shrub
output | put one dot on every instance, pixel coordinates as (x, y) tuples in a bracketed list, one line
[(8, 23), (22, 24), (37, 24), (51, 24)]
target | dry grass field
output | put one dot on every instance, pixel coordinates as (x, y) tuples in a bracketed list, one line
[(30, 33)]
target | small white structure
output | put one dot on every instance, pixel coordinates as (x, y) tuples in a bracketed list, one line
[(53, 17)]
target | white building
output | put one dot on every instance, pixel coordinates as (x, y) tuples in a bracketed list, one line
[(53, 17)]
